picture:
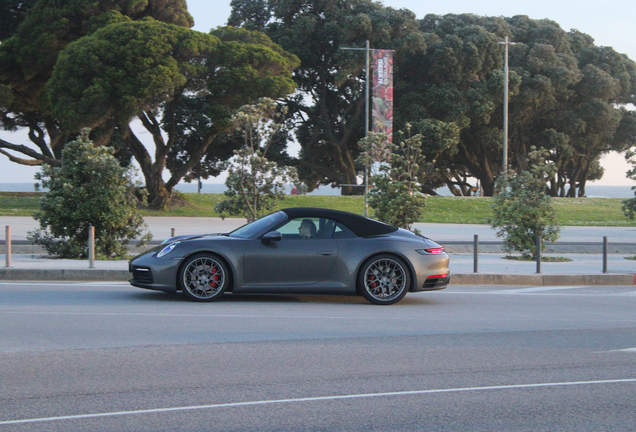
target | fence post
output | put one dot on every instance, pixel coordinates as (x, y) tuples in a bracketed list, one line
[(173, 232), (7, 246), (605, 254), (91, 246), (476, 255), (538, 242)]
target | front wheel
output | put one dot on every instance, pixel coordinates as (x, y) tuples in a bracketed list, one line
[(384, 280), (204, 277)]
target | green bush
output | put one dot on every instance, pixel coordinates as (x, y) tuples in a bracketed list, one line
[(629, 205), (395, 195), (255, 184), (89, 188), (523, 210)]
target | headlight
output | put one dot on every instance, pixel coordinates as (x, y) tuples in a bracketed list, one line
[(167, 249)]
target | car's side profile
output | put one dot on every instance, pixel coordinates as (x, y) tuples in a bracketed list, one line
[(296, 251)]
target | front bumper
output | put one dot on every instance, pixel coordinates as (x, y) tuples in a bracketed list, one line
[(154, 274)]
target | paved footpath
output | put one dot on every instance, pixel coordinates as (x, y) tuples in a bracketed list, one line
[(584, 268), (160, 227)]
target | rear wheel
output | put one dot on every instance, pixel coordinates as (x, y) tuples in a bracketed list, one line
[(384, 280), (204, 277)]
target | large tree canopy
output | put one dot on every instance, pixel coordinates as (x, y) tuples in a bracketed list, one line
[(566, 97), (103, 63), (12, 13), (330, 103), (158, 72), (28, 56)]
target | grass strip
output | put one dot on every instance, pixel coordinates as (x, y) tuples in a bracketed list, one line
[(459, 210)]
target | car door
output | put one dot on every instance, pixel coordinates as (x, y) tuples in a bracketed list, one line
[(293, 260)]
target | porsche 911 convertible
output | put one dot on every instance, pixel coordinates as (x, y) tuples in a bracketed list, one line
[(297, 251)]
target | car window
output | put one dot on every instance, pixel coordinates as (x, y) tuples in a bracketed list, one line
[(342, 232), (307, 228), (247, 231)]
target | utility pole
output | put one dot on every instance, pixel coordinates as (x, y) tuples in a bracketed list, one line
[(366, 123), (505, 137)]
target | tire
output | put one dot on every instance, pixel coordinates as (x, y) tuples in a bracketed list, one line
[(384, 279), (204, 277)]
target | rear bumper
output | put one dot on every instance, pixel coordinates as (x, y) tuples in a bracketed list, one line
[(433, 284)]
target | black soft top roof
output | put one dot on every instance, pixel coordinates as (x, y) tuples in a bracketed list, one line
[(361, 226)]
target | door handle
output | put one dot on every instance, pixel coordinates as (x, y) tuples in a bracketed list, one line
[(326, 253)]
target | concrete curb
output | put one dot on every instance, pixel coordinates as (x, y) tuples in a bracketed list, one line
[(542, 279), (95, 275), (92, 275)]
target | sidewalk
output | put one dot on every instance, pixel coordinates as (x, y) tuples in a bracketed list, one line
[(584, 269)]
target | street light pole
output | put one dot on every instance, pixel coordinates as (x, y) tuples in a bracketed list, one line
[(366, 121), (366, 133), (505, 137)]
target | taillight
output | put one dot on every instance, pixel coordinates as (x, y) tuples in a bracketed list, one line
[(437, 276), (438, 250), (435, 250)]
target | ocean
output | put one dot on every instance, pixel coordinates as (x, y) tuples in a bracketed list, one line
[(593, 191)]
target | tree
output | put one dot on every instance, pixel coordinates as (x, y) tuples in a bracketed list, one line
[(329, 107), (255, 184), (12, 13), (29, 54), (565, 96), (522, 209), (629, 205), (395, 195), (455, 86), (89, 188), (183, 86)]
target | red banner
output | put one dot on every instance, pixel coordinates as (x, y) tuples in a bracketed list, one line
[(383, 92)]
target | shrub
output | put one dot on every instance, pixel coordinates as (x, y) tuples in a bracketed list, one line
[(629, 205), (254, 183), (89, 188), (395, 195), (522, 209)]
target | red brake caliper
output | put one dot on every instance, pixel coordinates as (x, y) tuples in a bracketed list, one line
[(215, 278), (374, 284)]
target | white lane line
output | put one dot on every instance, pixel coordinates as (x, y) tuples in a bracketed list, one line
[(537, 289), (543, 294), (629, 350), (315, 399)]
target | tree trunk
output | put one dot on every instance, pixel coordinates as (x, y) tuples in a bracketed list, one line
[(159, 196)]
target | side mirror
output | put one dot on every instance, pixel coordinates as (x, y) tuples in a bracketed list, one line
[(272, 236)]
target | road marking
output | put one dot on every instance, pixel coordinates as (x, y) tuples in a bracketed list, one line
[(314, 399), (537, 289), (630, 350)]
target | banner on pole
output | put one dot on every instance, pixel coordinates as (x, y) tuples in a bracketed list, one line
[(383, 92)]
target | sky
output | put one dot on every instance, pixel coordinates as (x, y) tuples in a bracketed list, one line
[(610, 23)]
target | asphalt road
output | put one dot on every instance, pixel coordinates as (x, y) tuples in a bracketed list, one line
[(104, 357)]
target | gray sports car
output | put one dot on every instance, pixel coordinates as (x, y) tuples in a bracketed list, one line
[(297, 250)]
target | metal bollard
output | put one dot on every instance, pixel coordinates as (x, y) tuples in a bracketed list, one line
[(91, 246), (605, 254), (173, 232), (538, 242), (476, 255), (7, 245)]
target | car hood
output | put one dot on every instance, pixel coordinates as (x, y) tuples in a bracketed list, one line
[(189, 237)]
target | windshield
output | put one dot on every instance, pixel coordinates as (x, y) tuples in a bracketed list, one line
[(247, 231)]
